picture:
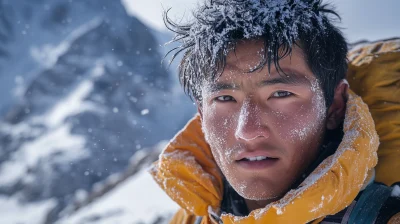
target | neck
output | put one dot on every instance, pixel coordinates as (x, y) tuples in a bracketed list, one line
[(253, 204)]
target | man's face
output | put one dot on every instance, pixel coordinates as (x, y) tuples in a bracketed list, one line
[(264, 130)]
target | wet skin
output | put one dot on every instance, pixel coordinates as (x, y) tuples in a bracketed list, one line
[(278, 119)]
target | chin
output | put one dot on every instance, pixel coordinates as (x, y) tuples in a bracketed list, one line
[(255, 190), (258, 197)]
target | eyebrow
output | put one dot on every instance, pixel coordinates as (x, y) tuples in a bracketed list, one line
[(215, 87), (288, 79)]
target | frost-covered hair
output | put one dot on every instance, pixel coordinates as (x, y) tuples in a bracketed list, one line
[(219, 24)]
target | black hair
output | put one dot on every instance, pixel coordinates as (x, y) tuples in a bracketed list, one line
[(219, 24)]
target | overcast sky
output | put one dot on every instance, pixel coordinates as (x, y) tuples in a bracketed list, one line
[(361, 19)]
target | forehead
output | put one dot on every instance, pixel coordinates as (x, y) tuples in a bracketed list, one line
[(247, 56)]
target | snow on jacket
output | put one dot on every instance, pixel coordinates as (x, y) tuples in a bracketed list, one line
[(187, 172)]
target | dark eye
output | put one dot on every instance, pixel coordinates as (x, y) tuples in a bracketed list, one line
[(225, 98), (281, 94)]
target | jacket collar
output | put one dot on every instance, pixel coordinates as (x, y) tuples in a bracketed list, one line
[(187, 172)]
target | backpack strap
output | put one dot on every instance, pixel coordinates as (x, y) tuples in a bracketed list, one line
[(369, 204), (198, 219)]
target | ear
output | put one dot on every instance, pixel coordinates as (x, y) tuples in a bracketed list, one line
[(199, 109), (337, 110)]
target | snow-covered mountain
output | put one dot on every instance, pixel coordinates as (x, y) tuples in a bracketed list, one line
[(82, 89), (131, 196)]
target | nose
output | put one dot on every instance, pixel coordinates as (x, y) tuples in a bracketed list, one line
[(250, 124)]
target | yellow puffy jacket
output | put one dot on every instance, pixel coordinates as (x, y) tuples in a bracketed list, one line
[(187, 172), (374, 74)]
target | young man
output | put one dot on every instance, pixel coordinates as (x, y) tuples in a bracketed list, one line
[(279, 137)]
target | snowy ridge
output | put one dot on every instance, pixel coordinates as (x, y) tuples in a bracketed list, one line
[(139, 161), (129, 197)]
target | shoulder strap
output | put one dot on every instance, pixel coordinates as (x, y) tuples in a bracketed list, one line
[(368, 205), (198, 219)]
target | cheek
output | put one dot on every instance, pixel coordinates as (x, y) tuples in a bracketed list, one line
[(213, 121), (298, 122), (217, 125)]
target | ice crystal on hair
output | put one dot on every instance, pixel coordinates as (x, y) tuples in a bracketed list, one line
[(252, 18), (219, 24)]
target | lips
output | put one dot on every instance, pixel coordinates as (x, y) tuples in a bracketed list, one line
[(264, 164), (258, 155), (256, 160)]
